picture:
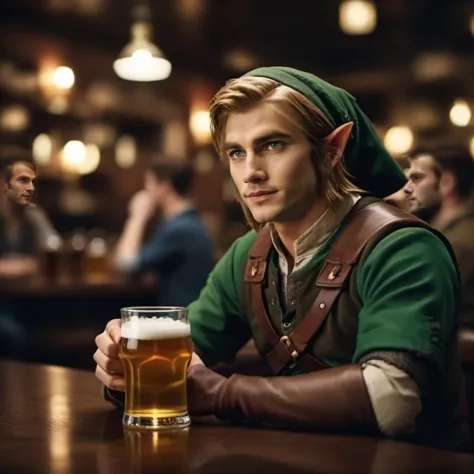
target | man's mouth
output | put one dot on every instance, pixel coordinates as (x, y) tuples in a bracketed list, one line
[(260, 195)]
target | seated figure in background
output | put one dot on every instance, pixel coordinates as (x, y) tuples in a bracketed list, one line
[(440, 190), (180, 250), (24, 229)]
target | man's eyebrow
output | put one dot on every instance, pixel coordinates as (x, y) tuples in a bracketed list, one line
[(273, 135)]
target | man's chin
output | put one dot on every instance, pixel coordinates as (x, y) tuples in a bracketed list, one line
[(426, 214), (264, 217)]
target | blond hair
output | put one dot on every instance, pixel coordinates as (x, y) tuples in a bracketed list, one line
[(239, 95)]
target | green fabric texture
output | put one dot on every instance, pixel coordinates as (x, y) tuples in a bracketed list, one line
[(218, 326), (367, 160), (408, 286)]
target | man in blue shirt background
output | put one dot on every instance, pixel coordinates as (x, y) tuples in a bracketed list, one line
[(180, 250)]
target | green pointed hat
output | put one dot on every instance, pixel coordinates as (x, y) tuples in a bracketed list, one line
[(367, 160)]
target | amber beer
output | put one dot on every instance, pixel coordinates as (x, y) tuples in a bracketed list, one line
[(155, 352)]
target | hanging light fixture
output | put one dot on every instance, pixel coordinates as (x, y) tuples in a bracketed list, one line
[(399, 139), (460, 113), (357, 17), (141, 60)]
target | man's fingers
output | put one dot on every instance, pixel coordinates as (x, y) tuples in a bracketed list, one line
[(114, 382), (106, 344), (113, 329), (111, 366)]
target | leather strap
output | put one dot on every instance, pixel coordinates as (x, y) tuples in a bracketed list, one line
[(360, 225)]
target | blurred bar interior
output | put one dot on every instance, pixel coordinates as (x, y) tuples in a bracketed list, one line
[(95, 88)]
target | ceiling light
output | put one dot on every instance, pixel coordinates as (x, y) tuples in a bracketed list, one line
[(42, 149), (357, 17), (141, 60), (73, 154), (91, 160), (200, 126), (14, 118), (460, 113), (398, 139), (125, 151), (63, 78)]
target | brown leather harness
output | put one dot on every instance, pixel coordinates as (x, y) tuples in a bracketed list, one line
[(360, 226)]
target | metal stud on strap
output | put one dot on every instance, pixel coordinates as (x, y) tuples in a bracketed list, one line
[(254, 270), (335, 271), (291, 348)]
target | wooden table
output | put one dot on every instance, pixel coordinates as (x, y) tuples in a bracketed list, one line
[(53, 420)]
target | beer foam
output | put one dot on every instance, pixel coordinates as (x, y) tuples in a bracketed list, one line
[(147, 329)]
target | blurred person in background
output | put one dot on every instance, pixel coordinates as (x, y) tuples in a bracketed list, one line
[(422, 188), (180, 251), (440, 190), (24, 227), (350, 301)]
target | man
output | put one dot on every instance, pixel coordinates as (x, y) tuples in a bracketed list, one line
[(180, 251), (18, 175), (19, 234), (382, 334), (23, 230), (422, 188), (440, 189)]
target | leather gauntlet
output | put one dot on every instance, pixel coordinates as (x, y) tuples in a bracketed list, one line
[(331, 399)]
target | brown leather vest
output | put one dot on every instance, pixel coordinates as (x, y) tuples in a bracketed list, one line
[(368, 219)]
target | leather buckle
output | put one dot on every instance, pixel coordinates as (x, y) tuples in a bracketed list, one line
[(335, 271), (291, 349)]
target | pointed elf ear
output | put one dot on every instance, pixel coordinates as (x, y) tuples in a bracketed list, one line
[(336, 142)]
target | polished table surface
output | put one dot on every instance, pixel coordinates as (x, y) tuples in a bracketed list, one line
[(53, 420)]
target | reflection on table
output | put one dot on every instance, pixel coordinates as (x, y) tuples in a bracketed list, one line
[(54, 420)]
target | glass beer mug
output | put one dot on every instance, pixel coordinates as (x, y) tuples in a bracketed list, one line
[(155, 350), (96, 260)]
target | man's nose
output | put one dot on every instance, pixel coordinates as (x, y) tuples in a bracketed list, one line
[(254, 169), (408, 189)]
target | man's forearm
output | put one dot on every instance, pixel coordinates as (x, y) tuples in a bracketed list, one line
[(331, 399), (130, 241)]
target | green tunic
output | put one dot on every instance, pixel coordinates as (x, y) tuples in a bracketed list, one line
[(407, 288)]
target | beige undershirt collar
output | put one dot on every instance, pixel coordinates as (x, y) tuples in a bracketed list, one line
[(308, 243)]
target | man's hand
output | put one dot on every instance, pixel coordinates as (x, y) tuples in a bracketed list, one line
[(109, 368), (141, 205), (195, 360)]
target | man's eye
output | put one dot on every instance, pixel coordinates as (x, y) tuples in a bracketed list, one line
[(236, 154), (273, 146)]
